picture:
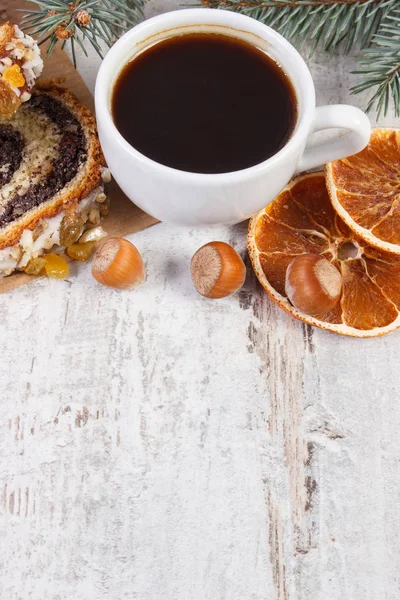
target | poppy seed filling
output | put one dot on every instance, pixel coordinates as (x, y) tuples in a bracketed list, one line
[(72, 154), (11, 149)]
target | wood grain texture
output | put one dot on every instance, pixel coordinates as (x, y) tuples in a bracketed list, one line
[(155, 445)]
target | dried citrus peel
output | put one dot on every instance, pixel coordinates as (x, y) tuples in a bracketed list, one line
[(301, 220), (365, 190)]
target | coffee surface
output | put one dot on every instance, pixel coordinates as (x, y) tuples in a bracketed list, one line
[(204, 103)]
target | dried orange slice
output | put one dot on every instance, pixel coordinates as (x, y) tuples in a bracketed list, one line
[(365, 190), (301, 220)]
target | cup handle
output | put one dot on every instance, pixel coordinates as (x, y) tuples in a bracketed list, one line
[(336, 115)]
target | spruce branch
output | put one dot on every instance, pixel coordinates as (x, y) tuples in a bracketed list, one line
[(380, 66), (325, 23), (96, 22)]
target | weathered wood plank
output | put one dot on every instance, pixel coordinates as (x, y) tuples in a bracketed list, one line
[(154, 443)]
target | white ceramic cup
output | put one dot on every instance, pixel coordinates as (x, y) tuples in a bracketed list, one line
[(204, 199)]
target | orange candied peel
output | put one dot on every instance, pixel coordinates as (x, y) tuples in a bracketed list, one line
[(9, 101), (13, 76), (301, 220)]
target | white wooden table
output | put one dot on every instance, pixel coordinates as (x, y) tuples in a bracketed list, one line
[(155, 445)]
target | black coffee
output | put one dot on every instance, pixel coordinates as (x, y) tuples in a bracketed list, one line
[(204, 103)]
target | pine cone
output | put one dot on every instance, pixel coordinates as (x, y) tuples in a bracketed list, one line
[(82, 18), (62, 33)]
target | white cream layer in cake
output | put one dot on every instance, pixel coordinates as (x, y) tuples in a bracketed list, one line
[(46, 235)]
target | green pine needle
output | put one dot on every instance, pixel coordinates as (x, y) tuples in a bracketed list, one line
[(379, 66), (326, 23), (109, 19)]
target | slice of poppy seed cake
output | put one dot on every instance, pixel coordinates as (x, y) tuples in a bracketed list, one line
[(52, 175)]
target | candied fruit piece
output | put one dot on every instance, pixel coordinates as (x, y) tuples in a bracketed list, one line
[(13, 76), (9, 101), (94, 216), (81, 251), (55, 266), (93, 235), (70, 229), (35, 266), (104, 207), (101, 197)]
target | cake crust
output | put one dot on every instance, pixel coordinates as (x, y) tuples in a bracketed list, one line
[(87, 178), (6, 35)]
